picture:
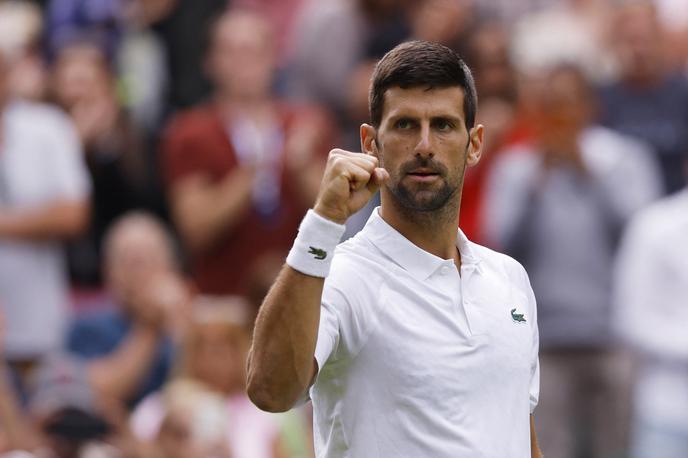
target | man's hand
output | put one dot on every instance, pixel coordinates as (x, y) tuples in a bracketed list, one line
[(350, 180)]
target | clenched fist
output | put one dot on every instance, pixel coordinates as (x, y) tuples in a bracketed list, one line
[(349, 181)]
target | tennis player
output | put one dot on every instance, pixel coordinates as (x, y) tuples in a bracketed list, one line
[(410, 340)]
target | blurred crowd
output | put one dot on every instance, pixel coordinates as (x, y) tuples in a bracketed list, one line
[(157, 156)]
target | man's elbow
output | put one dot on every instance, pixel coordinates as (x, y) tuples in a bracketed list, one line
[(75, 218), (268, 397)]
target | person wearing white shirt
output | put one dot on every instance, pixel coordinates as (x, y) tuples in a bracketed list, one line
[(44, 191), (414, 341), (651, 291)]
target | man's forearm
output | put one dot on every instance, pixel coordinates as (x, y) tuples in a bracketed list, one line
[(280, 365), (59, 220), (203, 211)]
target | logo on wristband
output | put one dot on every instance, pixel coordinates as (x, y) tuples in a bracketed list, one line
[(317, 253)]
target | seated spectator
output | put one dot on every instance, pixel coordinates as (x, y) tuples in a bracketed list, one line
[(649, 101), (129, 343), (194, 423), (242, 169), (118, 158), (651, 315), (44, 191), (64, 418), (214, 355), (559, 206)]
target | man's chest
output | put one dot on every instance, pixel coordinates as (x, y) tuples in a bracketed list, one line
[(443, 344)]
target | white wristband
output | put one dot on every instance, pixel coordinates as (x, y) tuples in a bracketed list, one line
[(314, 245)]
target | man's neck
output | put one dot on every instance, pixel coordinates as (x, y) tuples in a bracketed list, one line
[(434, 231)]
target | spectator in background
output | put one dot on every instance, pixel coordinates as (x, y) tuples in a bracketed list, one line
[(130, 342), (194, 424), (495, 79), (651, 315), (559, 206), (20, 34), (242, 169), (648, 101), (44, 193), (214, 358), (119, 161)]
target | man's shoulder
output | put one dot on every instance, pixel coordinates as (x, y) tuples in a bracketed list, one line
[(356, 261), (498, 262), (37, 116), (99, 321), (661, 220), (197, 122)]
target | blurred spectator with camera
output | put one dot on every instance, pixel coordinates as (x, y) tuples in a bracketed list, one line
[(651, 316), (559, 206), (44, 192), (213, 359), (243, 168), (650, 99), (129, 341), (120, 161)]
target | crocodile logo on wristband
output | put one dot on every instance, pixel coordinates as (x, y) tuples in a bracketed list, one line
[(317, 253)]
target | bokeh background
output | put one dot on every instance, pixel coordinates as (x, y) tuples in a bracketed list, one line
[(156, 157)]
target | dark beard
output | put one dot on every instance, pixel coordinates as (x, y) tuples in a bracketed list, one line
[(423, 200)]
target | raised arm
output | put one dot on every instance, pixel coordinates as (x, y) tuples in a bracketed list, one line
[(281, 364)]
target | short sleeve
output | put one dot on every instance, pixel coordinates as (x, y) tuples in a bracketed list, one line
[(68, 171), (534, 387), (328, 330), (184, 146)]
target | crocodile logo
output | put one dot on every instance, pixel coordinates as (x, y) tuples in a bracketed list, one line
[(319, 254), (517, 317)]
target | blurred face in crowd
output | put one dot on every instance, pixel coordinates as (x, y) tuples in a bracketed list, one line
[(424, 144), (491, 64), (81, 74), (217, 355), (638, 39), (135, 251), (564, 108), (241, 59)]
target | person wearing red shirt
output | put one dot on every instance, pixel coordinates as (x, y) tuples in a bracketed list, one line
[(243, 168)]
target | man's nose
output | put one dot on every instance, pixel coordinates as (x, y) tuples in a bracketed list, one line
[(424, 145)]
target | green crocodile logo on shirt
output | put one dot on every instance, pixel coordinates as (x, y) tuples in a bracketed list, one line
[(517, 317), (318, 253)]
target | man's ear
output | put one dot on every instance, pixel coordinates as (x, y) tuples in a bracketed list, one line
[(475, 145), (368, 140)]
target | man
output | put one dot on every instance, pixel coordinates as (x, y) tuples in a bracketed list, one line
[(129, 345), (418, 342), (651, 315), (114, 149), (559, 206), (648, 101), (44, 192), (241, 169)]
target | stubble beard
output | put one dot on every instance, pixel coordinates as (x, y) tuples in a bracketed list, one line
[(426, 205)]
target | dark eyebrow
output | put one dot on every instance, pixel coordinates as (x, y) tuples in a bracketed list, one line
[(452, 119)]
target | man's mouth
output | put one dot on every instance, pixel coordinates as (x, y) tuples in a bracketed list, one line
[(423, 174)]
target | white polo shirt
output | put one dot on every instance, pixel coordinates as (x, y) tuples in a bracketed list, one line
[(418, 361)]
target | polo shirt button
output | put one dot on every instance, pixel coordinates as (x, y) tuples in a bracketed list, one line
[(444, 270)]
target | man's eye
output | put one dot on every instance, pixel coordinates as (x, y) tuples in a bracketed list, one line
[(404, 124), (443, 124)]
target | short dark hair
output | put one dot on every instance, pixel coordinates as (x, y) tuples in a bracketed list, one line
[(417, 64)]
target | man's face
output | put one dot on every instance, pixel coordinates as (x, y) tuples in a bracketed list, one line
[(136, 254), (423, 144), (241, 60)]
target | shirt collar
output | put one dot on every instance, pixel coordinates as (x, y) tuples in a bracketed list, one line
[(420, 263)]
